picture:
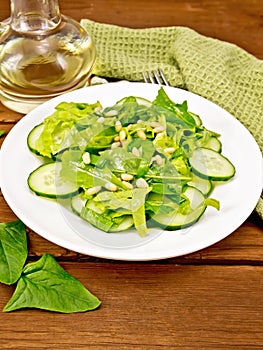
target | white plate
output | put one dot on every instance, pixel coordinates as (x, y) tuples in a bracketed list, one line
[(238, 197)]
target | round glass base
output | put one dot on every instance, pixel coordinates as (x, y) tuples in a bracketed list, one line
[(25, 104)]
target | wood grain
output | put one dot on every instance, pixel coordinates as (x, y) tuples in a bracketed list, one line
[(149, 306), (239, 22), (207, 300)]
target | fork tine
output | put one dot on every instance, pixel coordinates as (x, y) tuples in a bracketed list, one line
[(144, 77), (156, 76), (163, 77), (150, 76)]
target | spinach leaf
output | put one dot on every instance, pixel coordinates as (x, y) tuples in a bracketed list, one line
[(179, 110), (44, 284), (127, 111), (2, 132), (13, 251)]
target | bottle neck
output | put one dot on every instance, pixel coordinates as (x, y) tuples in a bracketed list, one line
[(34, 15)]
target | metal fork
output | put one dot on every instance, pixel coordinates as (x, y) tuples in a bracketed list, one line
[(155, 77)]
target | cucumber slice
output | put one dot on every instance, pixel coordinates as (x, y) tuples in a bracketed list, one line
[(97, 207), (214, 143), (77, 203), (203, 185), (124, 225), (176, 220), (212, 165), (45, 181), (32, 138)]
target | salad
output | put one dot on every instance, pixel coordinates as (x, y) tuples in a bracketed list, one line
[(136, 164)]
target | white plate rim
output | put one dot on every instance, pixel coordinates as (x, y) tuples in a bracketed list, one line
[(168, 244)]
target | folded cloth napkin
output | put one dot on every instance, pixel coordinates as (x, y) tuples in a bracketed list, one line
[(219, 71)]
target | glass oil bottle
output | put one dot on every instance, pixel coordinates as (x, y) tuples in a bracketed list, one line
[(42, 54)]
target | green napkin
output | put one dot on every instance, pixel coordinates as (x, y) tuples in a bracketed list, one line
[(219, 71)]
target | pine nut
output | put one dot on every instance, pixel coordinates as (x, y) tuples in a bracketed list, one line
[(117, 138), (115, 145), (158, 159), (128, 184), (118, 126), (169, 150), (97, 109), (111, 113), (141, 134), (158, 129), (126, 177), (111, 187), (86, 158), (141, 183), (93, 190), (101, 120), (122, 135)]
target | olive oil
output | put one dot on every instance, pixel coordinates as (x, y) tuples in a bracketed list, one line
[(42, 58)]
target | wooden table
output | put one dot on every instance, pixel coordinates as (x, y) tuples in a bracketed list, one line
[(211, 299)]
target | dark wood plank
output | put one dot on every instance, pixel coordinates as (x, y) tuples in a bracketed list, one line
[(149, 307), (239, 22), (211, 299), (8, 116)]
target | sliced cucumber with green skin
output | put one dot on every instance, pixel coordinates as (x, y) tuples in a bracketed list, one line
[(126, 223), (212, 165), (214, 143), (203, 185), (32, 138), (45, 181), (175, 220), (77, 203)]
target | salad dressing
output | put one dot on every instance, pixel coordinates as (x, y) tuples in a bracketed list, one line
[(42, 54)]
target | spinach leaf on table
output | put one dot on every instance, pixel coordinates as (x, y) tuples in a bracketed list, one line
[(44, 284), (2, 132), (13, 251)]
